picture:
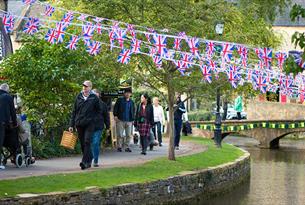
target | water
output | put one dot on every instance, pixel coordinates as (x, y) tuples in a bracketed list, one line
[(277, 176)]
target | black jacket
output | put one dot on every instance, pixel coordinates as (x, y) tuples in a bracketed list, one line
[(149, 113), (102, 117), (119, 107), (179, 110), (85, 111), (7, 109)]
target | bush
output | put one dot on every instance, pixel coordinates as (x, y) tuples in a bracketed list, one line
[(200, 115)]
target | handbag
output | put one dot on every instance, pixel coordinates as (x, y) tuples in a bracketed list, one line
[(68, 140)]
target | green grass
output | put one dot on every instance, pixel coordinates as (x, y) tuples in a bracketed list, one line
[(156, 169)]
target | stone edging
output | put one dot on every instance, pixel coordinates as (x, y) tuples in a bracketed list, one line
[(181, 189)]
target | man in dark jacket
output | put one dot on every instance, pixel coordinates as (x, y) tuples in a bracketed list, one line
[(101, 119), (179, 110), (124, 114), (84, 115), (7, 115)]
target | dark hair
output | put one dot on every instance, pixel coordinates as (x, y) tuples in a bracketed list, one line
[(145, 95), (127, 90)]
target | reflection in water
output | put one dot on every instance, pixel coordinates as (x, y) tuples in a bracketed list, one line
[(277, 176)]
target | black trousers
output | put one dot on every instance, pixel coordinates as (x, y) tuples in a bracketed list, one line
[(238, 115), (144, 142), (159, 133), (85, 135), (2, 135)]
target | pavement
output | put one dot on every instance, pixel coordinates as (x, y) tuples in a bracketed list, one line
[(108, 158)]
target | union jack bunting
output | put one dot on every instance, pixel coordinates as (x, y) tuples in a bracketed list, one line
[(94, 48), (206, 72), (233, 77), (193, 43), (135, 46), (265, 54), (170, 54), (99, 28), (177, 45), (286, 84), (120, 35), (301, 90), (210, 48), (157, 61), (243, 52), (49, 10), (82, 17), (28, 1), (152, 51), (87, 31), (111, 35), (281, 57), (160, 43), (272, 88), (73, 42), (8, 23), (60, 31), (131, 30), (51, 36), (124, 56), (115, 25), (147, 35), (250, 73), (68, 17), (186, 60), (98, 19), (227, 52), (260, 83), (32, 26), (260, 64)]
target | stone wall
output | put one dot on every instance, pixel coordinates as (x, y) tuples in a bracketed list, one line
[(274, 111), (186, 188)]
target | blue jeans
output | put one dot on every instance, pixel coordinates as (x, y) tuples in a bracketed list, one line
[(95, 145), (178, 126)]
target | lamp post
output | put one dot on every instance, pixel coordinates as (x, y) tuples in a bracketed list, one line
[(217, 132)]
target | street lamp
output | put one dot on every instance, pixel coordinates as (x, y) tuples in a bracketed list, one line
[(219, 27)]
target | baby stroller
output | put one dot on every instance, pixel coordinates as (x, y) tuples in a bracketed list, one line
[(17, 145)]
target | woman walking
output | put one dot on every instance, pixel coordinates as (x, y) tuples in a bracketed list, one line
[(144, 121)]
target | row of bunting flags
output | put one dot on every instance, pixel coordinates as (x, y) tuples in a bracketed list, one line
[(212, 57)]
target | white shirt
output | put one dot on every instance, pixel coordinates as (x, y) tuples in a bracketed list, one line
[(158, 114)]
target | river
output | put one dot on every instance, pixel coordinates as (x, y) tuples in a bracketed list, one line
[(277, 176)]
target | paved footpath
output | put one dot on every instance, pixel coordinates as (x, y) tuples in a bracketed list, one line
[(108, 158)]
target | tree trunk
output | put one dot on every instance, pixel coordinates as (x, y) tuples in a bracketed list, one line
[(171, 98)]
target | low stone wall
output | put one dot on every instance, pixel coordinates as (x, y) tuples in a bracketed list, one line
[(274, 111), (186, 188)]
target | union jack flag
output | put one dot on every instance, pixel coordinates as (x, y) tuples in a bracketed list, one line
[(170, 54), (49, 10), (68, 17), (94, 48), (177, 45), (250, 73), (99, 28), (260, 82), (111, 35), (243, 52), (210, 48), (135, 46), (186, 60), (120, 37), (8, 23), (32, 26), (260, 65), (152, 51), (157, 61), (147, 35), (131, 30), (286, 85), (160, 43), (51, 36), (28, 1), (233, 76), (194, 44), (272, 88), (115, 25), (124, 56), (73, 42), (281, 57), (265, 54), (227, 52), (87, 31), (60, 31), (206, 72)]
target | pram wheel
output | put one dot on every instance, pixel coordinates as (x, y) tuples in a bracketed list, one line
[(19, 160), (27, 161)]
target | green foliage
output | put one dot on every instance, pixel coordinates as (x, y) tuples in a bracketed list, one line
[(105, 178)]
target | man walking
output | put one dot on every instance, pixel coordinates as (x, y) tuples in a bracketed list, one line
[(124, 113), (84, 115), (180, 109), (7, 115)]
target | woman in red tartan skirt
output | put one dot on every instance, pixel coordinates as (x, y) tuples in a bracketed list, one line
[(144, 121)]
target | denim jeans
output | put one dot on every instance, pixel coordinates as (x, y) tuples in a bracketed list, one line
[(95, 146), (178, 126), (157, 131)]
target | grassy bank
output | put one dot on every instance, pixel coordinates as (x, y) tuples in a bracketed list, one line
[(153, 170)]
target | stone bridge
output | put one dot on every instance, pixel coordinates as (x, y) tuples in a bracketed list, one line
[(268, 133)]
